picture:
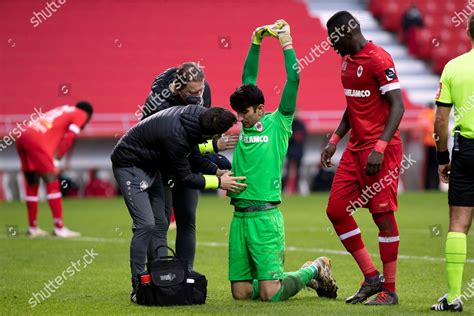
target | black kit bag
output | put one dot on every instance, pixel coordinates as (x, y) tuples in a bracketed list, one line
[(172, 283)]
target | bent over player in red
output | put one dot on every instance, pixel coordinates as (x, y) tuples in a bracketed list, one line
[(367, 175), (41, 145)]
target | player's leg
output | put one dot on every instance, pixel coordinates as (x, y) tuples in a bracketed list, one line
[(244, 290), (389, 241), (266, 244), (54, 197), (316, 275), (460, 219), (157, 196), (32, 180), (383, 202), (298, 175), (32, 185), (461, 205), (240, 269), (344, 198), (185, 202), (138, 204)]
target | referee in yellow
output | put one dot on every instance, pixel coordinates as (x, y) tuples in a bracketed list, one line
[(457, 89)]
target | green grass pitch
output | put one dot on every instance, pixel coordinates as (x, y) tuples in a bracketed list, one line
[(103, 286)]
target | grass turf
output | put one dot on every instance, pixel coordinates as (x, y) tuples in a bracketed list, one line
[(103, 286)]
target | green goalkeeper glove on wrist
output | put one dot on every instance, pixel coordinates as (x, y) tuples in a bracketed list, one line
[(259, 34)]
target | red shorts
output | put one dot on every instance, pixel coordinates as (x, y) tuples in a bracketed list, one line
[(33, 156), (352, 188)]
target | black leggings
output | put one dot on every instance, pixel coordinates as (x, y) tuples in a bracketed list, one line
[(184, 203)]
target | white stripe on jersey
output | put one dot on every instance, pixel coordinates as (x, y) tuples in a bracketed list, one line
[(389, 87), (74, 128)]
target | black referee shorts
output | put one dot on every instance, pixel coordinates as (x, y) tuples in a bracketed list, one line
[(461, 178)]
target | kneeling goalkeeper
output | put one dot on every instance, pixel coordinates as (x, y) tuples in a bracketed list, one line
[(257, 237)]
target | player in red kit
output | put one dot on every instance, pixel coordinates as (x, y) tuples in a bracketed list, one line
[(42, 144), (367, 175)]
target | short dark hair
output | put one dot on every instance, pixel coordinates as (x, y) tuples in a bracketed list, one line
[(342, 18), (471, 26), (86, 107), (246, 95), (216, 120), (188, 72)]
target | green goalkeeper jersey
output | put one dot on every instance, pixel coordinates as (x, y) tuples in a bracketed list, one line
[(261, 149)]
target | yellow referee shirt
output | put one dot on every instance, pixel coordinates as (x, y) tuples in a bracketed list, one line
[(456, 87)]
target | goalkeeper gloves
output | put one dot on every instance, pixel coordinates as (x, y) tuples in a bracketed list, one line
[(281, 30), (259, 34)]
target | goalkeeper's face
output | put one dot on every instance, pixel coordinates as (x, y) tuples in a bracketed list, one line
[(251, 115)]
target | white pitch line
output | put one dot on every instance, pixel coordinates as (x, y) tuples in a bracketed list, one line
[(214, 244)]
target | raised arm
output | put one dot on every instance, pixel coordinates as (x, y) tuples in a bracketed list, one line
[(281, 30), (250, 72), (287, 104)]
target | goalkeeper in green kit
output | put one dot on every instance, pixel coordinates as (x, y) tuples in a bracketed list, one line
[(257, 236)]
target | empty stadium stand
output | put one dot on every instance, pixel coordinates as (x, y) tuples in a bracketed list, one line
[(108, 52), (443, 35)]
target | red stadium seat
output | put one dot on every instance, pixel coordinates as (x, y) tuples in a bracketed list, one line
[(392, 15), (440, 39), (426, 41), (377, 7), (440, 57)]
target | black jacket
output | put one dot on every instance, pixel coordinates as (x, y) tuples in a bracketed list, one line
[(156, 101), (164, 141)]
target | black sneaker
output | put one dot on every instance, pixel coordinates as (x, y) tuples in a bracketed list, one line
[(383, 298), (367, 289), (444, 306)]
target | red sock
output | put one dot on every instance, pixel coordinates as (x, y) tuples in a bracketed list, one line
[(349, 233), (388, 243), (55, 203), (32, 199)]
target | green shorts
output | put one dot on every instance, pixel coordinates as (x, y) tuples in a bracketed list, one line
[(256, 246)]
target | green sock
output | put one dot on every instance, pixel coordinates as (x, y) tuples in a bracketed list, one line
[(456, 245), (293, 282), (255, 290)]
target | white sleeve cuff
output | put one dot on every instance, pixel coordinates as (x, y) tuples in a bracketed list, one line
[(74, 128), (389, 87)]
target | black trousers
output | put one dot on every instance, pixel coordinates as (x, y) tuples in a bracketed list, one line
[(431, 168), (184, 203), (145, 200)]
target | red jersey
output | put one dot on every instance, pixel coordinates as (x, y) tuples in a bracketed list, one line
[(366, 77), (50, 129)]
